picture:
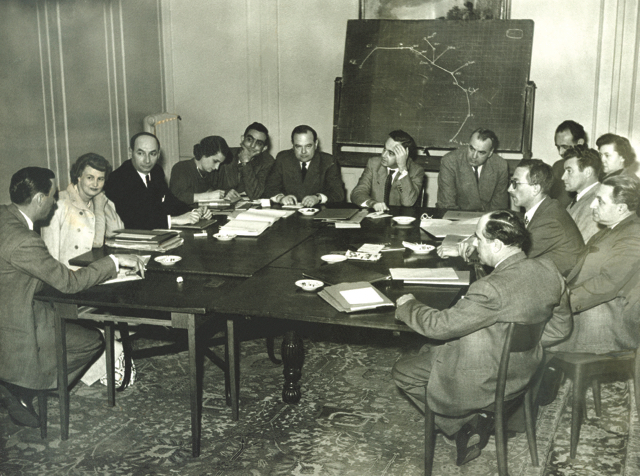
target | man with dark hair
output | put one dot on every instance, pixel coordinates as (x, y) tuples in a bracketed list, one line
[(391, 179), (582, 167), (605, 283), (568, 134), (303, 174), (250, 165), (474, 177), (84, 215), (140, 192), (460, 375), (27, 346)]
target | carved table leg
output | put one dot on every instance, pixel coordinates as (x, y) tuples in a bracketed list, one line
[(293, 358)]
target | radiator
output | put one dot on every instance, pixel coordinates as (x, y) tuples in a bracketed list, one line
[(165, 128)]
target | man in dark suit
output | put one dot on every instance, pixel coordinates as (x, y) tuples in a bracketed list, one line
[(393, 178), (605, 283), (568, 134), (582, 167), (140, 193), (303, 174), (474, 177), (554, 234), (460, 374), (27, 346)]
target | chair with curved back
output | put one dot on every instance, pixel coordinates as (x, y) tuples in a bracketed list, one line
[(584, 369), (519, 338)]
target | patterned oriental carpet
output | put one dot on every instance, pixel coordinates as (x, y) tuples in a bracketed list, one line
[(351, 421)]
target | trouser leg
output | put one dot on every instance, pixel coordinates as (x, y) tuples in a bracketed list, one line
[(84, 345)]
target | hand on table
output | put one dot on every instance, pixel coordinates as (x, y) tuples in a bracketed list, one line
[(188, 218), (289, 200), (232, 195), (380, 207), (404, 298), (131, 261), (205, 213), (310, 200)]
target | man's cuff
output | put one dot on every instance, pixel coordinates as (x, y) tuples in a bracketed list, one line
[(365, 204), (115, 261), (323, 198), (169, 221)]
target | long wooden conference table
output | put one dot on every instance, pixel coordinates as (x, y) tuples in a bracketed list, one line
[(248, 277)]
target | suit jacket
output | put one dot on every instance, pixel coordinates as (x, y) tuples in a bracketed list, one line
[(323, 177), (580, 211), (27, 343), (404, 192), (605, 291), (141, 207), (463, 370), (555, 235), (250, 178), (186, 180), (459, 190)]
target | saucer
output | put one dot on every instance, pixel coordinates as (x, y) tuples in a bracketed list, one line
[(308, 211), (403, 220), (224, 237), (333, 258), (309, 284), (167, 260), (423, 249)]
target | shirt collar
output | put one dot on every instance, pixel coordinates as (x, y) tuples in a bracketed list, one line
[(29, 222), (532, 210), (143, 177)]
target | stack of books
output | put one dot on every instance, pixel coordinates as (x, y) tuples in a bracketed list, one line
[(351, 297), (145, 240), (446, 276)]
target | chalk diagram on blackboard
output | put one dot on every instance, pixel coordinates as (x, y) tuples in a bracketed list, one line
[(437, 80), (433, 61)]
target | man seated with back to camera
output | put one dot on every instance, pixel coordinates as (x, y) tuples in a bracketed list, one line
[(141, 194), (303, 174), (460, 373), (473, 177), (250, 164), (393, 179), (27, 337)]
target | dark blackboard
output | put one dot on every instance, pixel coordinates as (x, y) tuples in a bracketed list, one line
[(436, 79)]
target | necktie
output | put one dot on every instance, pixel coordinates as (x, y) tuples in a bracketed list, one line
[(387, 187), (147, 179), (526, 221), (304, 170), (573, 202), (476, 172)]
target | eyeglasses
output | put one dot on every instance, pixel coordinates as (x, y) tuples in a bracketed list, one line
[(515, 184)]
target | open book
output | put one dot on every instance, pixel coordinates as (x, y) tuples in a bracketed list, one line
[(351, 297)]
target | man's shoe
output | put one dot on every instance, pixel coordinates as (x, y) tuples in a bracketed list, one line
[(20, 408), (467, 440), (549, 386)]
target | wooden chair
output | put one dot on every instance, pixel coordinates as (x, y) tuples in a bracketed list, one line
[(519, 338), (584, 369)]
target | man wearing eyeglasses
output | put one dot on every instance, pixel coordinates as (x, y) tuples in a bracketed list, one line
[(250, 165), (473, 177), (304, 175)]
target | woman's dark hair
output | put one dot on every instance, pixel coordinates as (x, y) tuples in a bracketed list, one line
[(622, 146), (209, 146), (92, 160)]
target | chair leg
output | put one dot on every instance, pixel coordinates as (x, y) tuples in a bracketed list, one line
[(429, 438), (271, 352), (42, 410), (636, 381), (530, 427), (577, 409), (597, 401), (501, 441)]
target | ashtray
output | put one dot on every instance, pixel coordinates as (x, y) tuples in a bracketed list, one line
[(224, 237), (308, 211), (167, 260), (333, 258), (403, 220), (309, 284), (423, 249)]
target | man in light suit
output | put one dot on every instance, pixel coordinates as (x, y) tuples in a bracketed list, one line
[(582, 167), (303, 174), (554, 234), (460, 374), (568, 134), (393, 178), (605, 284), (27, 345), (474, 177), (140, 192)]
